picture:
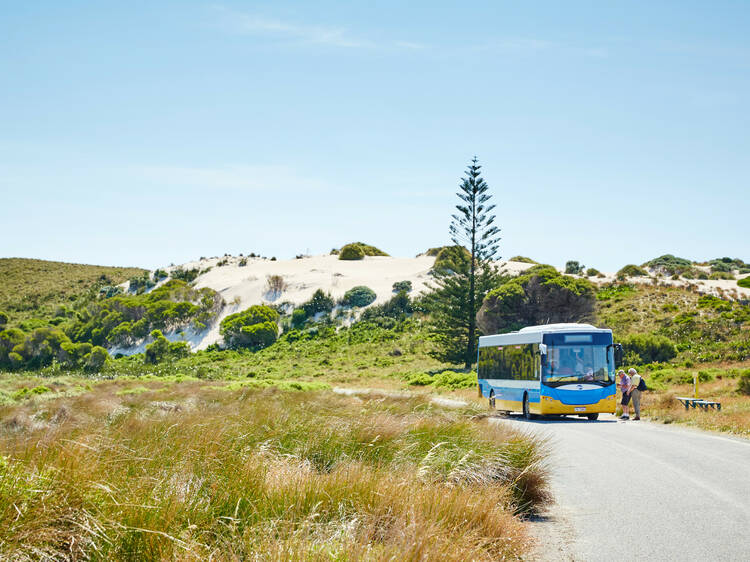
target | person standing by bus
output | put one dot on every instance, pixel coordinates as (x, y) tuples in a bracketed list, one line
[(635, 394), (625, 389)]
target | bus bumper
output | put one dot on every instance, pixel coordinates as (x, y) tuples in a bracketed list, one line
[(549, 405)]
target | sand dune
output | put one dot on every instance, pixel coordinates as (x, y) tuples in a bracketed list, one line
[(243, 286)]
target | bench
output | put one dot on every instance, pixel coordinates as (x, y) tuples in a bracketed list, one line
[(698, 403)]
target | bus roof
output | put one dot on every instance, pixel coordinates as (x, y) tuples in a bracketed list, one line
[(533, 334)]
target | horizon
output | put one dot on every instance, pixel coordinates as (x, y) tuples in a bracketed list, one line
[(143, 135)]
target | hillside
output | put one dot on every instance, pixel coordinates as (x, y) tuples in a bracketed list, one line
[(32, 288)]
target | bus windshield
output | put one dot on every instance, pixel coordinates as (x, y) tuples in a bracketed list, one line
[(578, 364)]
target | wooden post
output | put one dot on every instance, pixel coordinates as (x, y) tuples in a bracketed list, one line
[(696, 378)]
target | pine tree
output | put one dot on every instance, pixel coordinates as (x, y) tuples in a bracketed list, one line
[(459, 293)]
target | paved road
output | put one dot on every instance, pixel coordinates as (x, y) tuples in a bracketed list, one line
[(641, 491)]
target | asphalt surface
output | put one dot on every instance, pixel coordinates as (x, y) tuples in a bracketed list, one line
[(639, 491)]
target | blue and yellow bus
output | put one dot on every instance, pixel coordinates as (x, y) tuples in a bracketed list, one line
[(560, 369)]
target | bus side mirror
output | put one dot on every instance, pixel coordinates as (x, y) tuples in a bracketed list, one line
[(618, 354), (543, 354)]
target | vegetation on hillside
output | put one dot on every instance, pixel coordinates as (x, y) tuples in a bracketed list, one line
[(31, 290), (125, 319), (703, 328)]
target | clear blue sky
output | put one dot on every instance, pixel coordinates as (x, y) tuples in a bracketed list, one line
[(143, 133)]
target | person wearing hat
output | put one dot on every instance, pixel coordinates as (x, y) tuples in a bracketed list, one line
[(635, 394)]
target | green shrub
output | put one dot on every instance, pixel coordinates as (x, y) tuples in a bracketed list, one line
[(419, 379), (359, 296), (157, 350), (743, 384), (186, 275), (670, 265), (450, 380), (352, 252), (719, 275), (96, 359), (614, 291), (160, 274), (592, 272), (358, 250), (573, 268), (24, 393), (140, 283), (298, 317), (74, 354), (631, 270), (399, 286), (522, 259), (648, 348), (397, 308), (9, 339), (319, 302), (541, 295), (254, 328), (714, 303), (452, 259), (745, 282), (3, 319)]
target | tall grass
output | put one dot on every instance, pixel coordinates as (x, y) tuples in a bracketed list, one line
[(191, 472)]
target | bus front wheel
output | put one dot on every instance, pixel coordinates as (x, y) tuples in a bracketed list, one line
[(492, 399), (526, 412), (593, 417)]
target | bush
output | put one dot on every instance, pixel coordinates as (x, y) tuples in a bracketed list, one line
[(140, 283), (522, 259), (743, 385), (631, 270), (452, 259), (717, 275), (275, 285), (573, 268), (593, 272), (399, 286), (648, 348), (158, 349), (397, 308), (160, 274), (186, 275), (358, 250), (540, 295), (744, 282), (298, 317), (3, 320), (670, 265), (319, 302), (359, 296), (352, 252), (254, 328), (96, 359)]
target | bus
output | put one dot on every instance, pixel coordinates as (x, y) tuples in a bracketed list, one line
[(553, 369)]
